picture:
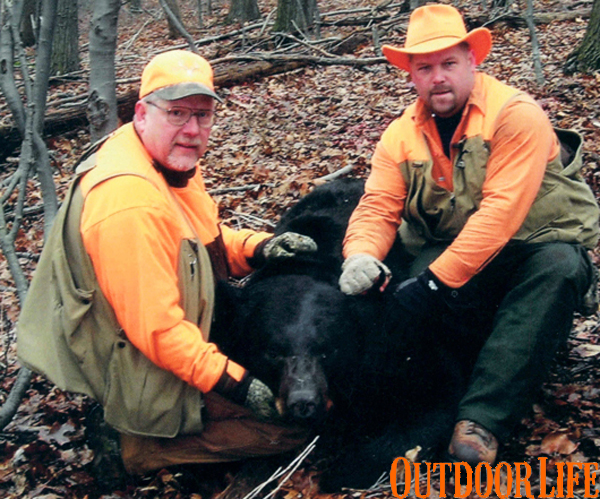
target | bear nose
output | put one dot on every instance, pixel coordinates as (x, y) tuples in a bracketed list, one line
[(303, 404)]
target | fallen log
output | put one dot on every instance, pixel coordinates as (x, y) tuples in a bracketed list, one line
[(516, 21), (242, 69), (64, 120)]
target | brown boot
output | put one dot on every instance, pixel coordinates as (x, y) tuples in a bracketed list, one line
[(473, 443)]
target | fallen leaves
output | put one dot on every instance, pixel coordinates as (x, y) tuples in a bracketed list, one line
[(280, 135), (558, 443)]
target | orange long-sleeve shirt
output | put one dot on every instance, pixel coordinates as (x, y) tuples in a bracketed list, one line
[(133, 235), (522, 144)]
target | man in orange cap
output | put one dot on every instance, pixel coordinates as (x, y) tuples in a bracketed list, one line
[(495, 222), (147, 252)]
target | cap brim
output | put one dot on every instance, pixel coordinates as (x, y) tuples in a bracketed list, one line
[(480, 41), (182, 90)]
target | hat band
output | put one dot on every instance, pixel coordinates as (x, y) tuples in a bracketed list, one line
[(452, 40)]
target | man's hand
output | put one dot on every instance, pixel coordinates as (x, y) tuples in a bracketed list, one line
[(261, 401), (249, 392), (417, 298), (287, 245), (360, 272)]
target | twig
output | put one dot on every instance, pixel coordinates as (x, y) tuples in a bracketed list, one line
[(252, 218), (266, 23), (381, 6), (177, 23), (305, 43), (134, 37), (336, 174), (224, 190), (211, 39), (9, 408), (342, 61), (292, 467)]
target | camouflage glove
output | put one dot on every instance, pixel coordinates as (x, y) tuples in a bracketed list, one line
[(360, 272), (261, 401), (287, 245)]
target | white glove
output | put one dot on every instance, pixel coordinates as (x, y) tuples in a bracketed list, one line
[(360, 272)]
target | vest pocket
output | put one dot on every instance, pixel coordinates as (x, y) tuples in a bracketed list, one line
[(143, 399), (71, 305)]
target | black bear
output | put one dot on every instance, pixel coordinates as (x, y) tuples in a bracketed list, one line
[(335, 361)]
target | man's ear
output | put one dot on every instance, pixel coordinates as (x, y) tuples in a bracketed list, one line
[(472, 58), (140, 110)]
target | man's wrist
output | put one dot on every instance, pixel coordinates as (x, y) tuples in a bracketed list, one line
[(231, 389)]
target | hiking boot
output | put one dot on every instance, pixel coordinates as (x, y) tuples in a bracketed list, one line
[(472, 443)]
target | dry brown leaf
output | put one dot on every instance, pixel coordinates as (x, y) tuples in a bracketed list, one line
[(558, 443)]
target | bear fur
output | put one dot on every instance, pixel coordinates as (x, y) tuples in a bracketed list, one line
[(336, 362)]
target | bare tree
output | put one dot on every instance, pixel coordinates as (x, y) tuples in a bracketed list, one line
[(65, 51), (171, 8), (298, 16), (243, 10), (178, 25), (586, 57), (535, 46), (34, 160), (29, 23), (102, 99), (200, 16)]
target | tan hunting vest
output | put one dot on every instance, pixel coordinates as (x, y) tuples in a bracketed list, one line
[(68, 331), (564, 210)]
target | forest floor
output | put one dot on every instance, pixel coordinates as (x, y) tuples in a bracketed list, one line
[(279, 135)]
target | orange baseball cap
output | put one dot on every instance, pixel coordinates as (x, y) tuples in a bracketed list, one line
[(177, 74), (432, 28)]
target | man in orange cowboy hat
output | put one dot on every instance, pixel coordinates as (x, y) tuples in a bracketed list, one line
[(495, 220)]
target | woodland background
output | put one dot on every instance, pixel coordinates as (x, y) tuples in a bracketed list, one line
[(297, 109)]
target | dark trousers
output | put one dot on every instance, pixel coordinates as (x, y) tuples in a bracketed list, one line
[(506, 324)]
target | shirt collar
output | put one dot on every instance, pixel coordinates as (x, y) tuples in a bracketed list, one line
[(476, 99)]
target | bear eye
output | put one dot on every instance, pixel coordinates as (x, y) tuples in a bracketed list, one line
[(273, 355)]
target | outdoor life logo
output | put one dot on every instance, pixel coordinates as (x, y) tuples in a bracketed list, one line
[(504, 480)]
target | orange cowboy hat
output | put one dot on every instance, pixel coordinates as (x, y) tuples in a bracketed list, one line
[(437, 27)]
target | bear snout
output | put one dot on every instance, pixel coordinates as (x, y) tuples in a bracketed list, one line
[(304, 390)]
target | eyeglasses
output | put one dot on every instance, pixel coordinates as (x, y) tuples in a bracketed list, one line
[(179, 116)]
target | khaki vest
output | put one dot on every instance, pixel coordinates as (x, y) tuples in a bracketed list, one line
[(564, 210), (68, 331)]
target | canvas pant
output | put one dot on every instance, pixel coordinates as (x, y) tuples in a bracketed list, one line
[(231, 433), (506, 324)]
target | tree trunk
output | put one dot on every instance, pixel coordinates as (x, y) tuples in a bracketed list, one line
[(65, 53), (200, 13), (34, 155), (586, 57), (535, 47), (102, 99), (29, 22), (172, 5), (242, 11), (297, 15), (40, 92)]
